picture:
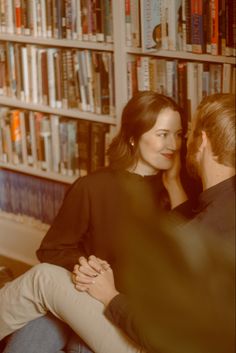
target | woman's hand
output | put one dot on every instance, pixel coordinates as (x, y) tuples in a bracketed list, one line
[(172, 182), (172, 175), (95, 277), (103, 287)]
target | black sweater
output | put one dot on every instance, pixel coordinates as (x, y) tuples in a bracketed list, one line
[(94, 213), (214, 217)]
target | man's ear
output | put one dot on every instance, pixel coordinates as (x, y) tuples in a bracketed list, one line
[(204, 141)]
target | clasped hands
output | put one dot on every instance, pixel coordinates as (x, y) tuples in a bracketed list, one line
[(95, 277)]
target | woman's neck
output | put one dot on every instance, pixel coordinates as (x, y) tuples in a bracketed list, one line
[(141, 170)]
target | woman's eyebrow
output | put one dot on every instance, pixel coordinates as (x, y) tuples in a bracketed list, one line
[(166, 130)]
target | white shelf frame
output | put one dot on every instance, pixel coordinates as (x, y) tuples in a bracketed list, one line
[(39, 173), (73, 113), (183, 55), (53, 42)]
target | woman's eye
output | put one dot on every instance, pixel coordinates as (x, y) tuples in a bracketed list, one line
[(164, 134)]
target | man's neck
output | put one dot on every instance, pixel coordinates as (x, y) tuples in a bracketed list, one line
[(216, 175)]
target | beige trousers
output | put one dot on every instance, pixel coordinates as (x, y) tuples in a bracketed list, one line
[(46, 288)]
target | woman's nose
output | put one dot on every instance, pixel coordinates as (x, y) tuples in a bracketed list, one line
[(172, 143)]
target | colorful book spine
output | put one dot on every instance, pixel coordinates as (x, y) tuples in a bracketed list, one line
[(151, 24), (197, 26)]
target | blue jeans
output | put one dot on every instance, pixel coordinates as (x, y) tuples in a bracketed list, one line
[(45, 335)]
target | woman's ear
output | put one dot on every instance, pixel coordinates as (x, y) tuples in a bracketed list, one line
[(131, 141)]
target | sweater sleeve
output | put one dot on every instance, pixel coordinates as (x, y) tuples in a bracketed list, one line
[(67, 238), (119, 313)]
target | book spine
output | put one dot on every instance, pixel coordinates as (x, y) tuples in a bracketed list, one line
[(84, 146), (188, 25), (97, 146), (227, 75), (173, 24), (215, 78), (214, 27), (108, 20), (135, 23), (18, 20), (33, 139), (151, 20), (164, 24), (16, 136), (72, 147), (197, 26), (78, 20), (128, 23), (9, 17), (55, 142), (25, 74), (58, 77), (99, 21), (182, 84), (51, 77)]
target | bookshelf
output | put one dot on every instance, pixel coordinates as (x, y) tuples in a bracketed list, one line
[(125, 36), (39, 33)]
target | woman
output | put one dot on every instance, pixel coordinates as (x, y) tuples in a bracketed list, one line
[(144, 163)]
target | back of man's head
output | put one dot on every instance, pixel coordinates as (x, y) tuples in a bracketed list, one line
[(216, 116)]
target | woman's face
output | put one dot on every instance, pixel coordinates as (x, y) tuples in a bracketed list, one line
[(157, 147)]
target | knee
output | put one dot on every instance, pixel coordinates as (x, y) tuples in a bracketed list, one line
[(49, 271), (43, 268)]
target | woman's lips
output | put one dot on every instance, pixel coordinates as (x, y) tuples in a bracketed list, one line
[(168, 155)]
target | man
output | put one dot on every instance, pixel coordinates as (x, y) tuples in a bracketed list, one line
[(185, 302), (211, 157)]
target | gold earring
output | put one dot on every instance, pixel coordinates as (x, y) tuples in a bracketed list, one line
[(131, 141)]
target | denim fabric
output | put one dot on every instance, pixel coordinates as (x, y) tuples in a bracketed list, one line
[(44, 335)]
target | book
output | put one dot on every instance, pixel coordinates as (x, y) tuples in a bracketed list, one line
[(18, 21), (182, 84), (188, 20), (63, 146), (84, 147), (99, 21), (151, 24), (215, 78), (51, 77), (128, 30), (55, 136), (23, 138), (197, 26), (25, 74), (192, 89), (135, 23), (45, 134), (97, 152), (214, 26), (174, 11), (72, 150)]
